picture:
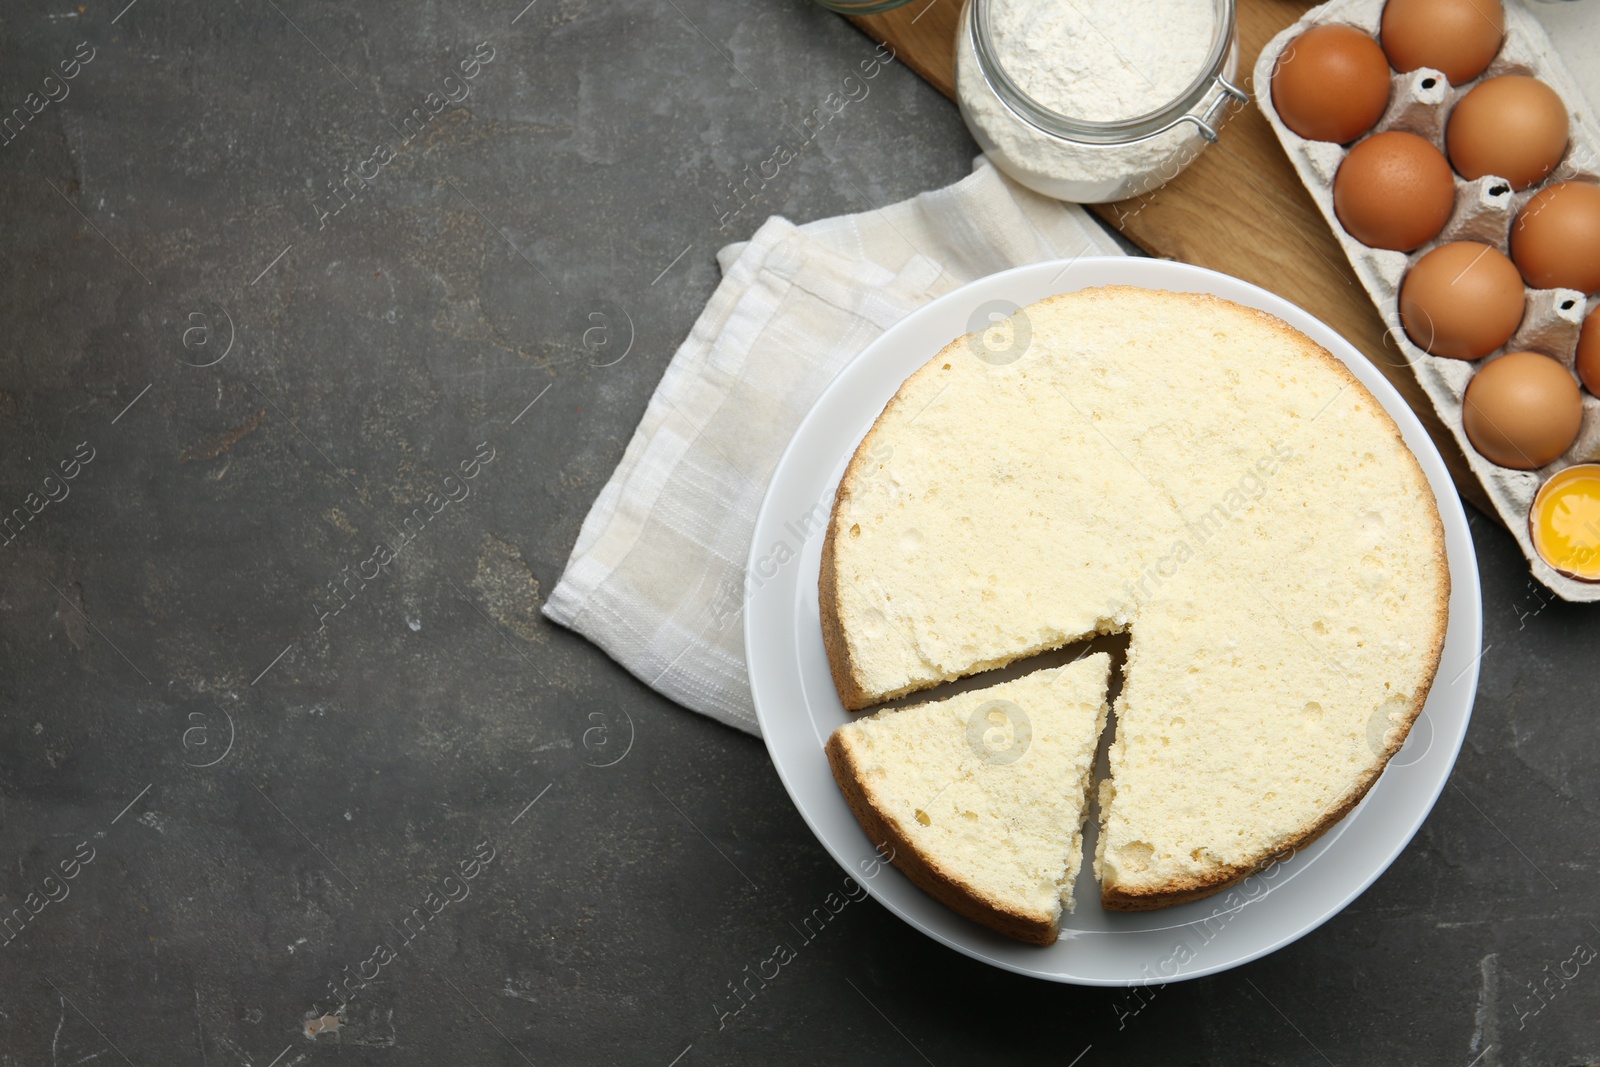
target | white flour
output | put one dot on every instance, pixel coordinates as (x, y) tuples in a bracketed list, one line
[(1095, 60), (1102, 60)]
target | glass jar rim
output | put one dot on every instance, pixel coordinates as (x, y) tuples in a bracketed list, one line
[(1119, 131)]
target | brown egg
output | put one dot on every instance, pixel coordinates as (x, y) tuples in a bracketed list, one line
[(1513, 127), (1555, 241), (1394, 190), (1522, 410), (1589, 352), (1331, 84), (1458, 38), (1463, 300)]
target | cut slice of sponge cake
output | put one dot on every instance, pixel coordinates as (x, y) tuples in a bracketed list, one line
[(982, 796)]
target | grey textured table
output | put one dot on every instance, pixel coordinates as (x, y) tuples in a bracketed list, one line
[(239, 747)]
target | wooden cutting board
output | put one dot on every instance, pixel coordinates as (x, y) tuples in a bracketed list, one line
[(1238, 209)]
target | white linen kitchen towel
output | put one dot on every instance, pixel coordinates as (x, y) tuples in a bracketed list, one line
[(657, 577)]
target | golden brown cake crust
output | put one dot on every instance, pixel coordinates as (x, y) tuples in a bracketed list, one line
[(844, 675), (924, 871)]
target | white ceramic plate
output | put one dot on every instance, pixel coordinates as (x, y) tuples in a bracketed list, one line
[(798, 708)]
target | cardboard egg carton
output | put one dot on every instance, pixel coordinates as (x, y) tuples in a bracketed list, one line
[(1420, 103)]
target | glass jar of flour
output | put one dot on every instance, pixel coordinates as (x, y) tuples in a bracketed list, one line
[(1096, 100)]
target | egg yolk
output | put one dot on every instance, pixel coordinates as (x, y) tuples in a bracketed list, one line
[(1565, 521)]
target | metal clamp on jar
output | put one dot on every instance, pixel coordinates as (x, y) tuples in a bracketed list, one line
[(1093, 156)]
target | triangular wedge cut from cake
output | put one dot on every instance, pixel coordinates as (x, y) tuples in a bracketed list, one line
[(1192, 471), (980, 798)]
